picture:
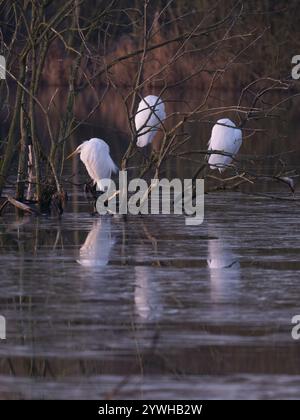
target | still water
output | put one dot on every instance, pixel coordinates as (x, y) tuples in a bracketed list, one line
[(150, 307)]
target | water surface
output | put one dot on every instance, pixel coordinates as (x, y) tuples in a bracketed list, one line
[(150, 307)]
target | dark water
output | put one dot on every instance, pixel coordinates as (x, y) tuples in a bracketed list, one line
[(149, 307)]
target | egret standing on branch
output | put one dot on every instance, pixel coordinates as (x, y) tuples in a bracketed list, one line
[(95, 155), (150, 114), (225, 137)]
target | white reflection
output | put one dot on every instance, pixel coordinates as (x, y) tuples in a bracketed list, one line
[(95, 251), (224, 267), (147, 297)]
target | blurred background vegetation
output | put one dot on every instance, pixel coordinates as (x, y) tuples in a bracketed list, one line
[(115, 28)]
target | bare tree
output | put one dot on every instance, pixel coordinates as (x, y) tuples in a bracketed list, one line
[(132, 48)]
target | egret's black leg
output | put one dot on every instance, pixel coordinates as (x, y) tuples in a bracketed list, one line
[(91, 195), (97, 194), (87, 193)]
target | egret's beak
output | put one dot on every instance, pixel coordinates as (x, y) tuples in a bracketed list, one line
[(72, 154)]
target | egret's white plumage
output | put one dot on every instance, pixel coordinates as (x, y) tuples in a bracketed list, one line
[(150, 114), (224, 138), (95, 155)]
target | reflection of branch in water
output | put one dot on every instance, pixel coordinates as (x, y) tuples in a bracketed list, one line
[(95, 251), (151, 238)]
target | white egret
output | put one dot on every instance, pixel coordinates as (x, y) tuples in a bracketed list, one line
[(150, 114), (95, 155), (225, 137)]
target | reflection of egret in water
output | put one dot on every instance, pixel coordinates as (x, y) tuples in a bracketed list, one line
[(147, 292), (95, 251), (224, 267)]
